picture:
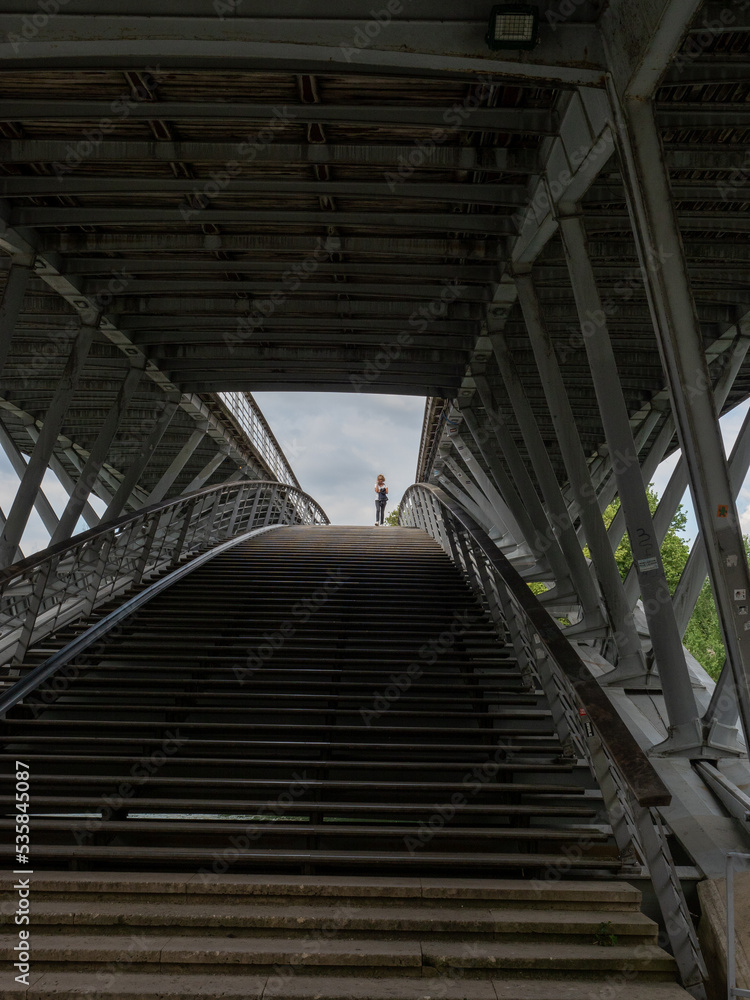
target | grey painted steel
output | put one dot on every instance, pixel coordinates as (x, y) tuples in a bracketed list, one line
[(684, 730), (41, 504), (720, 718), (643, 782), (143, 457), (12, 301), (484, 194), (570, 55), (519, 474), (605, 474), (734, 800), (38, 218), (679, 338), (544, 553), (176, 466), (678, 481), (98, 454), (524, 120), (53, 420), (68, 580), (44, 671), (206, 472), (497, 502), (694, 573), (630, 658), (641, 39), (561, 526)]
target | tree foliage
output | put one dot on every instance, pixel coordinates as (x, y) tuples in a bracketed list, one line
[(392, 518), (703, 634)]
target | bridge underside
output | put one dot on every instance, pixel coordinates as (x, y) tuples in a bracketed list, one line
[(549, 243)]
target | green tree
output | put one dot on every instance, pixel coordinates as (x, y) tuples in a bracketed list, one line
[(674, 550), (703, 633), (392, 518)]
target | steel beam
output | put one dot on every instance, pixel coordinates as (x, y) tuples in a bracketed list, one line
[(641, 39), (175, 467), (684, 728), (560, 526), (18, 461), (678, 335), (12, 303), (206, 472), (630, 659), (570, 55), (36, 218), (678, 481), (572, 162), (72, 186), (61, 154), (695, 571), (98, 453), (53, 420), (525, 515), (142, 458), (530, 121)]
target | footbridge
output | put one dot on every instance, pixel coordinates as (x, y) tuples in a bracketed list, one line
[(532, 215)]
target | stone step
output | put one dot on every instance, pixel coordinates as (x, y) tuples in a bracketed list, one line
[(145, 986), (78, 917), (339, 953), (206, 888)]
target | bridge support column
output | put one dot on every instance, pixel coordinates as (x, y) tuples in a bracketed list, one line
[(17, 460), (137, 467), (177, 465), (206, 472), (18, 515), (505, 499), (680, 342), (535, 529), (561, 525), (630, 656), (684, 728), (98, 454), (678, 481), (10, 307), (695, 571)]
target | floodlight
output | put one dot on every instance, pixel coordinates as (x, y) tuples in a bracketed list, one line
[(513, 26)]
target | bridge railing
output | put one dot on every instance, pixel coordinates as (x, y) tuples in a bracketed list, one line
[(68, 581), (586, 720)]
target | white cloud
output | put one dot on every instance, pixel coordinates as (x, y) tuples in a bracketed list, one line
[(337, 443)]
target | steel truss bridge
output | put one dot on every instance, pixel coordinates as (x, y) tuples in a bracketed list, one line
[(549, 243)]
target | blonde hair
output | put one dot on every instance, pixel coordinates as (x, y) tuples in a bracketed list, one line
[(381, 476)]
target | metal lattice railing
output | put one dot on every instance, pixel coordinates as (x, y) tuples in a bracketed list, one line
[(64, 583), (247, 414), (586, 720)]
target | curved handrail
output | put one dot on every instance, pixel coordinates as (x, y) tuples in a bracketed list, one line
[(96, 632), (636, 769), (67, 581), (37, 558)]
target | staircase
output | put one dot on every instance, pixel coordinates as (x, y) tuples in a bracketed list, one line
[(316, 700), (322, 728), (140, 936)]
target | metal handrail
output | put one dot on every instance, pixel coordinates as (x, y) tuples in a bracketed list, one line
[(586, 721), (68, 580), (643, 781)]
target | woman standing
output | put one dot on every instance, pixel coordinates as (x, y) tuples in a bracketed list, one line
[(381, 499)]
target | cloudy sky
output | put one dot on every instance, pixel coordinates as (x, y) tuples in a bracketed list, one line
[(337, 443)]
